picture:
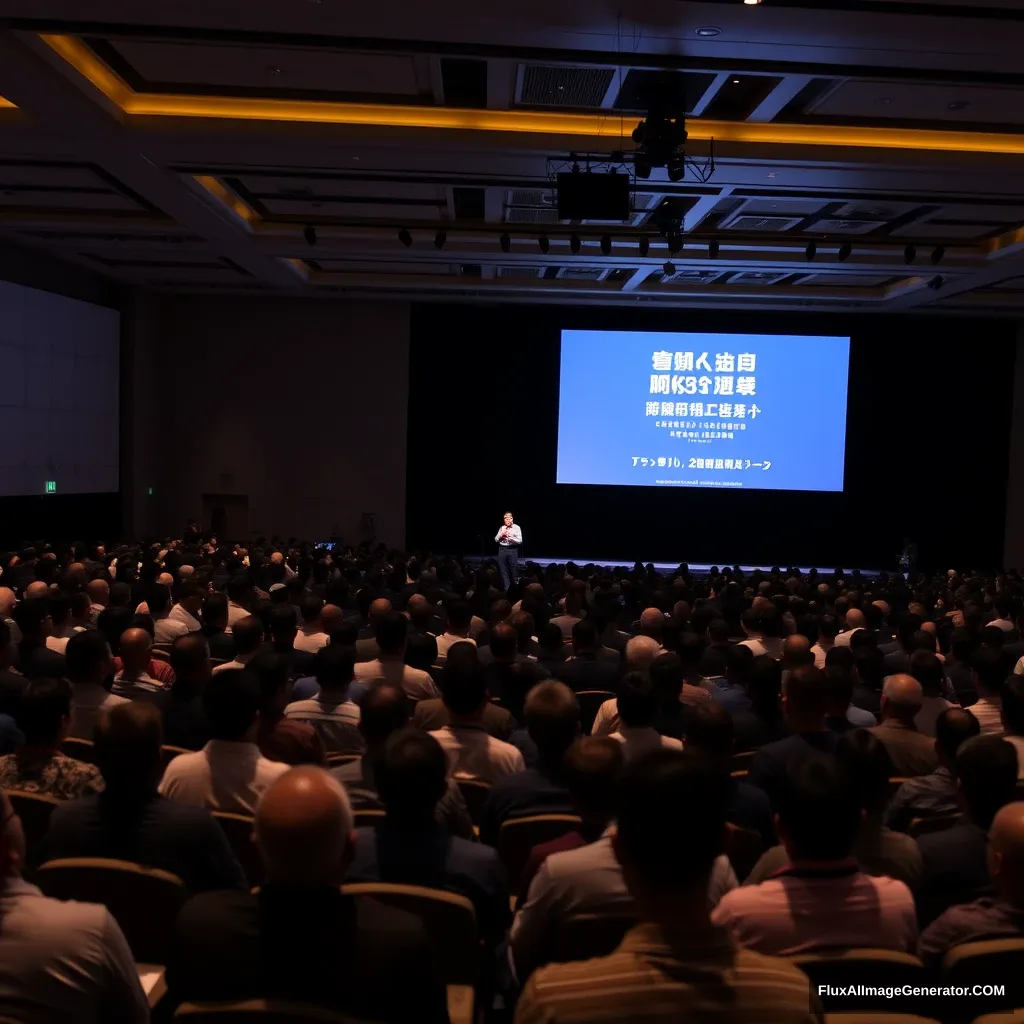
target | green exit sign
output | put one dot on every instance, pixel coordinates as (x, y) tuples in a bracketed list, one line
[(51, 486), (149, 492)]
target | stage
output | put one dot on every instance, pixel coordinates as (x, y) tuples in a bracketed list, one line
[(697, 568)]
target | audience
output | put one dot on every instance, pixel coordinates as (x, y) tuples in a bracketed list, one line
[(989, 674), (1012, 711), (89, 668), (247, 635), (926, 668), (587, 669), (332, 713), (911, 752), (391, 633), (311, 636), (214, 616), (287, 740), (132, 675), (433, 714), (184, 718), (637, 711)]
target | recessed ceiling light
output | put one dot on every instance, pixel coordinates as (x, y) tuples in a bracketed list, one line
[(273, 69), (772, 174), (735, 81), (958, 105), (709, 31), (751, 3), (884, 101)]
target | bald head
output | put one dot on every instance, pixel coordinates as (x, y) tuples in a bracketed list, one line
[(652, 622), (134, 648), (37, 588), (331, 617), (640, 652), (855, 619), (304, 828), (277, 558), (98, 591), (901, 697), (379, 607), (1006, 852), (7, 600), (796, 651), (184, 571), (165, 579)]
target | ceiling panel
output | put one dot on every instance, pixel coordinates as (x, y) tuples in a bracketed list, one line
[(923, 101), (65, 199)]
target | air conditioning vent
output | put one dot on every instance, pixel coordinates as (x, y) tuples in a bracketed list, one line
[(547, 86)]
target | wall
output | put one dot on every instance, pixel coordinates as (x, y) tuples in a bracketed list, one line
[(300, 404), (1013, 552)]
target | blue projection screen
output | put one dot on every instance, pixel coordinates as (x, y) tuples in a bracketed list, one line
[(757, 411)]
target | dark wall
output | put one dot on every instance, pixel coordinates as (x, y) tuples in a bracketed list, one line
[(929, 411)]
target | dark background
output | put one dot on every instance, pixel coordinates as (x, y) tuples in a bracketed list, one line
[(928, 424)]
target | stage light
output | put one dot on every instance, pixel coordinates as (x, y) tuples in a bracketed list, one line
[(545, 245), (936, 282), (405, 238), (811, 251), (506, 242), (708, 31), (938, 255), (676, 168), (845, 251), (439, 239), (669, 269), (909, 254), (751, 3), (713, 248), (606, 245), (642, 168), (309, 234), (574, 244), (644, 245)]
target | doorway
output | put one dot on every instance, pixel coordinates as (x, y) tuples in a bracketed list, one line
[(227, 516)]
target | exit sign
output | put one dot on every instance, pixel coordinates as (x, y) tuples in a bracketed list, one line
[(51, 486)]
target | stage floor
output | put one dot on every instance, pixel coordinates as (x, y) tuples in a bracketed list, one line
[(700, 568)]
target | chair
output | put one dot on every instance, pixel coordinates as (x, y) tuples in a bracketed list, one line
[(895, 783), (990, 962), (170, 753), (741, 761), (160, 654), (79, 749), (474, 792), (334, 759), (743, 848), (259, 1011), (34, 809), (518, 836), (238, 829), (590, 702), (878, 1018), (450, 921), (144, 901), (924, 826), (367, 817), (584, 936), (876, 967)]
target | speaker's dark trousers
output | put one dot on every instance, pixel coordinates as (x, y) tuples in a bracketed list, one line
[(508, 564)]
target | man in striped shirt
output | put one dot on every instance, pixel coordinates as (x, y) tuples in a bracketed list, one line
[(674, 964), (331, 712)]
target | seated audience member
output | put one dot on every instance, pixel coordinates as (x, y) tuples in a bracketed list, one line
[(89, 668), (553, 722), (855, 622), (1000, 916), (711, 732), (130, 821), (796, 652), (828, 629), (472, 752), (410, 847), (59, 961), (841, 716), (553, 652), (247, 636), (822, 899), (282, 628), (591, 880), (763, 722), (189, 605), (60, 622), (805, 701), (360, 956), (287, 740), (896, 655), (586, 669), (934, 795), (311, 636), (391, 631), (962, 645), (954, 860), (508, 675), (385, 710), (133, 679), (731, 690), (690, 652), (637, 711), (158, 605), (184, 719), (869, 676), (32, 658), (674, 960), (669, 686), (926, 668), (989, 675), (878, 850), (460, 618), (639, 656), (1012, 711), (39, 766), (214, 616), (332, 713), (911, 752), (229, 773), (240, 596), (366, 644)]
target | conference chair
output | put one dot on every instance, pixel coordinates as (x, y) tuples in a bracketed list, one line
[(518, 836), (450, 921), (260, 1011), (335, 758), (894, 784), (989, 962), (239, 829), (367, 817), (144, 901), (743, 847), (79, 749), (34, 809), (741, 764), (160, 653), (474, 792), (590, 702), (584, 936), (875, 967), (925, 826), (169, 753)]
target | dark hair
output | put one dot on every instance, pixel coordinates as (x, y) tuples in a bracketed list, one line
[(865, 757), (926, 668), (112, 622), (214, 610), (584, 634), (334, 665), (552, 719), (765, 685), (43, 706), (710, 729), (391, 631), (805, 691), (384, 709), (30, 614), (128, 740), (550, 638), (870, 666), (637, 703), (239, 589), (666, 675), (819, 807), (593, 769), (828, 625), (411, 776), (1013, 705), (462, 684), (986, 767), (84, 654), (191, 589), (248, 634), (504, 641), (310, 608), (420, 650), (987, 665), (189, 656), (690, 650), (282, 623), (953, 727), (459, 616), (271, 669), (158, 597), (231, 700)]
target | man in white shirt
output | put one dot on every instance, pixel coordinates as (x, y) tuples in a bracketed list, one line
[(640, 652), (460, 619), (828, 628), (750, 621), (855, 622), (248, 636), (331, 712), (1013, 718), (190, 603), (311, 635), (89, 664), (59, 961), (638, 708), (472, 753), (989, 675), (392, 632), (509, 537), (229, 773), (62, 631), (239, 594)]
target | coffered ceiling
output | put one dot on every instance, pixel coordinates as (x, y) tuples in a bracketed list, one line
[(868, 154)]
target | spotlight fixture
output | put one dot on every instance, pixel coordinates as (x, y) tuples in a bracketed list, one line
[(845, 251), (574, 244), (938, 255), (669, 269), (642, 168), (405, 238), (751, 3), (606, 245), (544, 244), (676, 167), (506, 242), (713, 248), (936, 282), (811, 251), (439, 239), (675, 242), (309, 234), (909, 254), (644, 245), (708, 31)]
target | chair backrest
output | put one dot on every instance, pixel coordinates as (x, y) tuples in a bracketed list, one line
[(169, 753), (583, 936), (990, 962), (239, 828), (160, 653), (336, 758), (590, 702), (144, 901), (79, 749), (367, 817), (743, 848), (879, 967), (34, 809), (923, 826), (474, 792), (449, 920), (263, 1011), (518, 836), (895, 782), (741, 761)]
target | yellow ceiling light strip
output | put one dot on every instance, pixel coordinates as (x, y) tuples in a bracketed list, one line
[(5, 102), (227, 197), (530, 121)]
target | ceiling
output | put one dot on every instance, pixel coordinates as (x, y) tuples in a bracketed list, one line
[(867, 153)]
